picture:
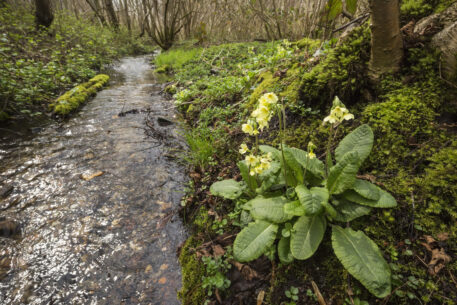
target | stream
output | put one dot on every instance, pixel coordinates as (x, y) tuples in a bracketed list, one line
[(89, 205)]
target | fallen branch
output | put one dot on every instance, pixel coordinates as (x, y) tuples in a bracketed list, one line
[(352, 22)]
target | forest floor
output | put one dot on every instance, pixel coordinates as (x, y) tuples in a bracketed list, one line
[(414, 119)]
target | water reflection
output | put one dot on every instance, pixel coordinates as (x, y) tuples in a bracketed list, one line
[(110, 239)]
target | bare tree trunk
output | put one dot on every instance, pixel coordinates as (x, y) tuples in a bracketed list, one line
[(95, 6), (43, 13), (127, 16), (112, 14), (386, 39)]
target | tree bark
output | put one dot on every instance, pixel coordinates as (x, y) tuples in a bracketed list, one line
[(112, 14), (43, 13), (127, 16), (386, 39)]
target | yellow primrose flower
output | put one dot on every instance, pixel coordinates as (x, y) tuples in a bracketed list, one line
[(258, 169), (243, 149), (271, 97), (247, 128), (262, 123), (252, 160), (265, 166), (311, 155), (252, 172), (338, 114)]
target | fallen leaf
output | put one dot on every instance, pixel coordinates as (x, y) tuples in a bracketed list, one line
[(443, 236), (162, 280), (148, 269), (260, 297), (247, 272), (218, 250), (438, 261), (88, 177), (318, 294), (164, 267)]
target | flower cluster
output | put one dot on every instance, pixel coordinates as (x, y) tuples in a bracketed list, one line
[(257, 164), (262, 115), (339, 113), (311, 148)]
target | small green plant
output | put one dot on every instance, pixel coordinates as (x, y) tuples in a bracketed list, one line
[(216, 268), (292, 294), (293, 193)]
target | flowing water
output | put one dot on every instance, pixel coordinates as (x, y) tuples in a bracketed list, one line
[(91, 204)]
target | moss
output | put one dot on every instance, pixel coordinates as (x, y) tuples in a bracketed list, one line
[(265, 82), (171, 89), (415, 9), (164, 69), (73, 98), (4, 116), (192, 270), (202, 222), (308, 44), (342, 72)]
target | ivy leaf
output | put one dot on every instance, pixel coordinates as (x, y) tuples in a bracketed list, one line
[(362, 258), (229, 189), (285, 256), (307, 235), (313, 200), (270, 209), (254, 240), (342, 176), (359, 140)]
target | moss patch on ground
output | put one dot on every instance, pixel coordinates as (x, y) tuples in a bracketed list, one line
[(75, 97)]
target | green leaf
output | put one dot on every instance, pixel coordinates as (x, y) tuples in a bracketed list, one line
[(299, 160), (293, 164), (313, 200), (366, 189), (270, 209), (244, 170), (254, 240), (362, 258), (307, 235), (269, 149), (294, 208), (359, 140), (285, 256), (348, 211), (386, 200), (342, 176), (351, 6), (229, 189)]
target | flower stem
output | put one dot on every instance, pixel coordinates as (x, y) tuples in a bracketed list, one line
[(281, 136)]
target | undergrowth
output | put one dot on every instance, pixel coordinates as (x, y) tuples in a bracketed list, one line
[(414, 159)]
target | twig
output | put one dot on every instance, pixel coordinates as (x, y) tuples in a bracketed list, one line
[(352, 22)]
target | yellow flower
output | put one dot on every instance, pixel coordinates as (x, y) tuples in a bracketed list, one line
[(258, 169), (252, 172), (311, 155), (338, 114), (248, 128), (252, 160), (271, 97), (243, 149)]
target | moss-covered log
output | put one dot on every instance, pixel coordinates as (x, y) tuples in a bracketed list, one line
[(73, 98)]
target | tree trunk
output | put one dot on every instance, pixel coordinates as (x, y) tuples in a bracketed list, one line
[(127, 16), (112, 14), (43, 13), (386, 39)]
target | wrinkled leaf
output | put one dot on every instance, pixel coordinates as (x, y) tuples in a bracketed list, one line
[(386, 200), (313, 200), (366, 189), (229, 189), (244, 170), (342, 176), (348, 211), (285, 256), (254, 240), (270, 209), (294, 208), (359, 140), (362, 258), (307, 235)]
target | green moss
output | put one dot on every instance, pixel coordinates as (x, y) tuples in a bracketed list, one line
[(265, 82), (202, 221), (341, 72), (163, 69), (73, 98), (415, 9), (311, 45), (192, 270), (4, 116)]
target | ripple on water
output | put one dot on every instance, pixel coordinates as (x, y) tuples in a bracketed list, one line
[(111, 239)]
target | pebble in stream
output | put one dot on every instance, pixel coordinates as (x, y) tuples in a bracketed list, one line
[(110, 239)]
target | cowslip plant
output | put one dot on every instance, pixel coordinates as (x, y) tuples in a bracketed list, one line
[(296, 197)]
